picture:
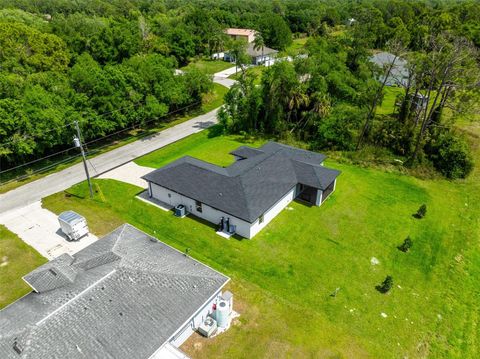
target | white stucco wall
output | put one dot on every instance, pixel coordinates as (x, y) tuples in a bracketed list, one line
[(273, 212), (208, 213)]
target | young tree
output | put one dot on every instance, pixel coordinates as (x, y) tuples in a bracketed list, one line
[(422, 211), (386, 285), (406, 245), (238, 49)]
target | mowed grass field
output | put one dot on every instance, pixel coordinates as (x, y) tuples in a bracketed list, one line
[(16, 259), (283, 278)]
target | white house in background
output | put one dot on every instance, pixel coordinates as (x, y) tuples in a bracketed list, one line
[(245, 196), (125, 296)]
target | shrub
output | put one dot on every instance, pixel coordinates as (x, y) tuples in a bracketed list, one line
[(391, 133), (406, 245), (422, 211), (386, 285), (450, 154)]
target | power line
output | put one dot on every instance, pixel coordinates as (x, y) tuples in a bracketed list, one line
[(43, 169), (96, 150), (37, 160), (26, 137)]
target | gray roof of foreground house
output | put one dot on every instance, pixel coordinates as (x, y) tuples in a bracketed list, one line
[(249, 187), (123, 296)]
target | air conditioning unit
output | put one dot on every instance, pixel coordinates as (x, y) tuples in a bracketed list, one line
[(180, 210), (208, 327)]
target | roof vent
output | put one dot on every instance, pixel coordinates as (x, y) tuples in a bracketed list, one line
[(52, 271)]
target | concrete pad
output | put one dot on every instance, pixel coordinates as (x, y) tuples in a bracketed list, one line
[(154, 202), (223, 234), (129, 173), (40, 229), (225, 73), (225, 82)]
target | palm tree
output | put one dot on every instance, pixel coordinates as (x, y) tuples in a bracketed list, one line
[(321, 104), (298, 99), (259, 43)]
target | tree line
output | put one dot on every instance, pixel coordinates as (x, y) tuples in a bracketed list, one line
[(329, 97), (110, 64)]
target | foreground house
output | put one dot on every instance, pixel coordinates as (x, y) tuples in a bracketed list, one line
[(245, 196), (125, 296)]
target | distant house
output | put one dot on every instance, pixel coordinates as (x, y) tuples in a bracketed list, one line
[(399, 73), (259, 56), (241, 34), (245, 196), (125, 296)]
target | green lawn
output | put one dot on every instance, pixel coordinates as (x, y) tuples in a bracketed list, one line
[(204, 145), (208, 66), (254, 70), (295, 47), (387, 106), (282, 279), (16, 259)]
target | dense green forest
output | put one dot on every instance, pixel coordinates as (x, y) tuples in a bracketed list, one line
[(110, 65)]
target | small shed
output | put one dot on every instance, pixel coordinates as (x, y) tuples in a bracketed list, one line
[(73, 225)]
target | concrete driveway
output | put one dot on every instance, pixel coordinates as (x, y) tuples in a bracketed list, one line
[(39, 228), (129, 173)]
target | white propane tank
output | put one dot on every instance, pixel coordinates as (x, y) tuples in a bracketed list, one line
[(222, 313)]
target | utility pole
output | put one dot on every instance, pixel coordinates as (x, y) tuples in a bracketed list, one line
[(77, 140)]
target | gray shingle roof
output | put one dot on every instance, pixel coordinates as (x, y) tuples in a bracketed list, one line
[(399, 72), (131, 293), (249, 187), (252, 51)]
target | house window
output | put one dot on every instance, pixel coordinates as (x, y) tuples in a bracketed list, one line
[(260, 219), (198, 205)]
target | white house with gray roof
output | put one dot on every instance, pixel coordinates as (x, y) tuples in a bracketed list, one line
[(125, 296), (245, 196)]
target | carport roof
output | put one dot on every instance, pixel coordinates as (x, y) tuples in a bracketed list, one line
[(131, 293), (249, 187)]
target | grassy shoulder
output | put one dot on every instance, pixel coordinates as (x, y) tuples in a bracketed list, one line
[(16, 260), (283, 278), (208, 66), (210, 101)]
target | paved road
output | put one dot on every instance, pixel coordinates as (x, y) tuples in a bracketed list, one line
[(59, 181)]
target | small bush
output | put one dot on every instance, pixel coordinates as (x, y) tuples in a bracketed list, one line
[(422, 211), (406, 245), (386, 285)]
